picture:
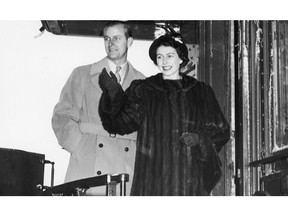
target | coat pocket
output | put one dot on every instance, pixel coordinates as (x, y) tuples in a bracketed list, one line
[(79, 146)]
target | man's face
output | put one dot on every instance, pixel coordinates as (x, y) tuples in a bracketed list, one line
[(116, 43)]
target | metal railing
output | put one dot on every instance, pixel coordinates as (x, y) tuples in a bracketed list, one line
[(78, 187)]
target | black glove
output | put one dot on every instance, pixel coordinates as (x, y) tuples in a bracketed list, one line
[(190, 139), (109, 84), (113, 95), (198, 139)]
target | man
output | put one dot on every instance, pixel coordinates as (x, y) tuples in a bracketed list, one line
[(76, 121)]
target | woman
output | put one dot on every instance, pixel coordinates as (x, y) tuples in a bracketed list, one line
[(179, 122)]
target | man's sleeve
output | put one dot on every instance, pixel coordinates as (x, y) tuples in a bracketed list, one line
[(65, 117)]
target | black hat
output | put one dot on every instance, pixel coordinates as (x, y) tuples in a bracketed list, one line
[(174, 41)]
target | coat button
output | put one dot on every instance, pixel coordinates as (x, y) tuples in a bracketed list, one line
[(101, 145), (126, 149), (99, 172)]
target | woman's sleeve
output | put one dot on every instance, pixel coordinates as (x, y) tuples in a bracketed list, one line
[(216, 125), (122, 114)]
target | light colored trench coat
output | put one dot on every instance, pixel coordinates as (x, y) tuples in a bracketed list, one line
[(79, 130)]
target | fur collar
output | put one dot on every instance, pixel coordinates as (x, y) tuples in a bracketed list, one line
[(157, 82)]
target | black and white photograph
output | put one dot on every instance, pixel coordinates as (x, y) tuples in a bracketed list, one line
[(185, 111)]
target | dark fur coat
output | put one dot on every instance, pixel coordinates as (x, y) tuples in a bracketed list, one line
[(180, 129)]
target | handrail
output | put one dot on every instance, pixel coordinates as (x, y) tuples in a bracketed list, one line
[(282, 154), (72, 187)]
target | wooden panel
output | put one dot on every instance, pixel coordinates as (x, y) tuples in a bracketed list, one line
[(214, 70)]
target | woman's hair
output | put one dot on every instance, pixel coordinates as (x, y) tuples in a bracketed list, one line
[(170, 41)]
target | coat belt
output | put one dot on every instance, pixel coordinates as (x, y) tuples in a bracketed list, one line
[(96, 129)]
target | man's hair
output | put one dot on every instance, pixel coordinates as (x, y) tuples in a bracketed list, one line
[(127, 28)]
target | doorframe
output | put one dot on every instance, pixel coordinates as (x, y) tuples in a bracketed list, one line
[(216, 67)]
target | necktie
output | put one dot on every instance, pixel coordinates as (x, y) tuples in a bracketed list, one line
[(117, 74)]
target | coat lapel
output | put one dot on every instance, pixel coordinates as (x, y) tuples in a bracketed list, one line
[(129, 77), (96, 69)]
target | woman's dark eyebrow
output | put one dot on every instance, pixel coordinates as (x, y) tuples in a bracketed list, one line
[(166, 53)]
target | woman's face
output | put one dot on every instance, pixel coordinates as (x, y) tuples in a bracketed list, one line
[(168, 62)]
